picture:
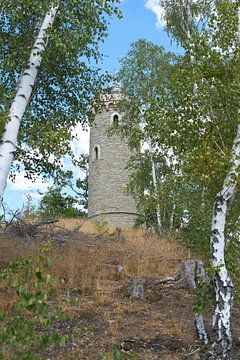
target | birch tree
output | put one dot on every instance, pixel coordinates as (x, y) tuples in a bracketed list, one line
[(19, 103), (201, 127), (143, 74), (217, 67), (182, 17), (45, 60), (224, 288)]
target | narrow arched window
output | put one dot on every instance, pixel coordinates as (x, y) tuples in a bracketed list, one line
[(115, 120), (96, 153)]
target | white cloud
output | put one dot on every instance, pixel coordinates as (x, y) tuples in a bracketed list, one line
[(23, 184), (80, 145), (154, 6)]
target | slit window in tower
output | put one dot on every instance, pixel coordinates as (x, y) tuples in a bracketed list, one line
[(96, 153), (115, 120)]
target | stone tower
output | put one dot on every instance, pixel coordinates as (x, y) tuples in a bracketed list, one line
[(108, 200)]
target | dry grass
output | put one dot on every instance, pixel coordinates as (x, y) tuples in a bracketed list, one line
[(150, 255), (90, 266), (71, 224), (86, 283), (12, 247), (85, 226)]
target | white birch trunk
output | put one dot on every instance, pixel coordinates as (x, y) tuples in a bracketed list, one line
[(222, 280), (154, 180), (155, 192), (18, 106), (172, 214)]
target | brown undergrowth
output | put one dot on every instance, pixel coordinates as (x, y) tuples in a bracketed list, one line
[(91, 269)]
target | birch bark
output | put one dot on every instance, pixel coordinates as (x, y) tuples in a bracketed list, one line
[(172, 214), (222, 280), (154, 179), (155, 193), (18, 106)]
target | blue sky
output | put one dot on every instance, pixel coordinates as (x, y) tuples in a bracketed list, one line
[(138, 22), (141, 19)]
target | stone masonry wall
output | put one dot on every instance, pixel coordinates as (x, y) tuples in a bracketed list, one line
[(108, 176)]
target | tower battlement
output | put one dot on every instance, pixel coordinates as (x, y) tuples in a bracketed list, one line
[(112, 96)]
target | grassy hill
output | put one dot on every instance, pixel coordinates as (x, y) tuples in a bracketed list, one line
[(91, 268)]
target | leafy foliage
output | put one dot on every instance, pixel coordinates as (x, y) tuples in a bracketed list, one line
[(205, 296), (24, 330), (54, 204), (195, 119), (66, 81), (188, 111)]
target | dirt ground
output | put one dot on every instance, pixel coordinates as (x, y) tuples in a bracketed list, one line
[(99, 317)]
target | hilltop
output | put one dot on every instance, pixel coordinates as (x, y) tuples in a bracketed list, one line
[(92, 266)]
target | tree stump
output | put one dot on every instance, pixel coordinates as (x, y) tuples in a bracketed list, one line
[(185, 278), (137, 288), (190, 273)]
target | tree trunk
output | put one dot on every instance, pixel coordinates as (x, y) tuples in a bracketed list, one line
[(222, 281), (224, 289), (172, 214), (137, 288), (155, 194), (154, 180), (18, 106)]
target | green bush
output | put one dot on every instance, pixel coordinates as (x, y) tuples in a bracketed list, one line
[(54, 204), (25, 329)]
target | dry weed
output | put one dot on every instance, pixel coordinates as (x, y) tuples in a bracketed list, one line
[(88, 267), (89, 227), (115, 325), (104, 293), (91, 267), (86, 281), (150, 255), (72, 224), (13, 247), (7, 302)]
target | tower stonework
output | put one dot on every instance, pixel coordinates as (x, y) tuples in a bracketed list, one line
[(108, 200)]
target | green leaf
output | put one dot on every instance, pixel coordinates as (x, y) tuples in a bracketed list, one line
[(47, 279), (39, 275)]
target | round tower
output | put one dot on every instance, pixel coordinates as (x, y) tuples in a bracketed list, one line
[(108, 200)]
